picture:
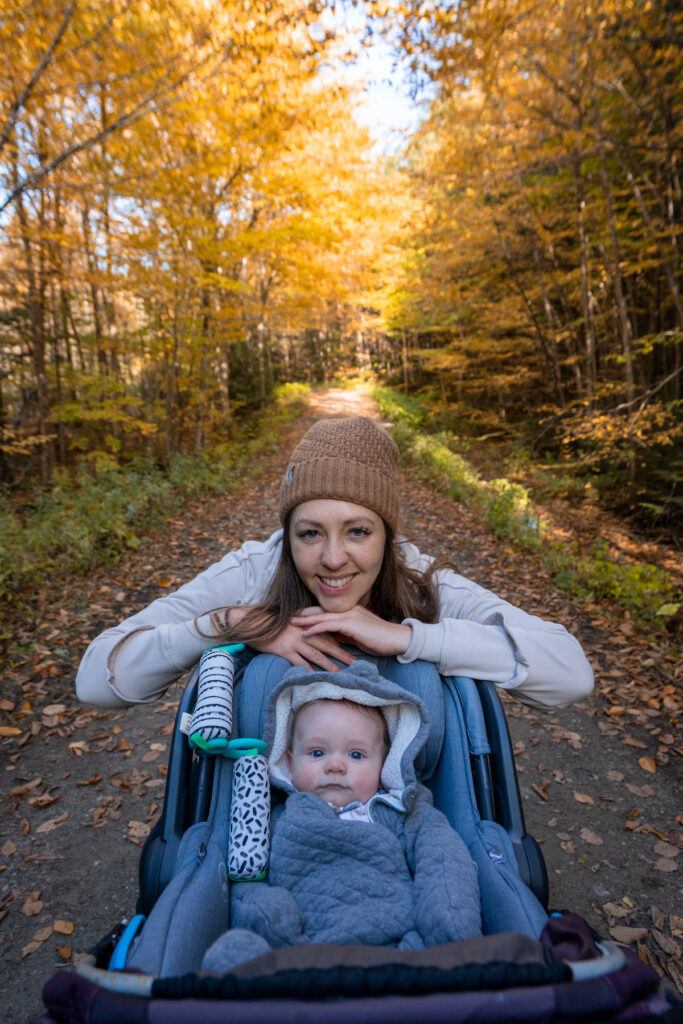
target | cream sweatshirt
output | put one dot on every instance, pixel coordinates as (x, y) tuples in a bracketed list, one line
[(478, 635)]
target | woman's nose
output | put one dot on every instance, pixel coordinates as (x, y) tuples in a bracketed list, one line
[(334, 555)]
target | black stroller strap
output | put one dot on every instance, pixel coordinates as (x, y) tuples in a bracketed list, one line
[(377, 980)]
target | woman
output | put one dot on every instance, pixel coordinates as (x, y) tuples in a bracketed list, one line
[(336, 574)]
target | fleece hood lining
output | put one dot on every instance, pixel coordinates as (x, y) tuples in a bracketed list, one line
[(402, 717)]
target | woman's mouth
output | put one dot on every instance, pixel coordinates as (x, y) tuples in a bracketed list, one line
[(335, 584)]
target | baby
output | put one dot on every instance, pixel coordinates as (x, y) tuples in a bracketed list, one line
[(358, 852)]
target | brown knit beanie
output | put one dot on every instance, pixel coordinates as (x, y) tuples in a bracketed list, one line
[(350, 460)]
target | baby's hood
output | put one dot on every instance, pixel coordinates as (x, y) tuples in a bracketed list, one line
[(406, 717)]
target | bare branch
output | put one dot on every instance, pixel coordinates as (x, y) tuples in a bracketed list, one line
[(21, 100), (130, 117)]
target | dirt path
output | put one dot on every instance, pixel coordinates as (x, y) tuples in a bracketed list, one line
[(80, 787)]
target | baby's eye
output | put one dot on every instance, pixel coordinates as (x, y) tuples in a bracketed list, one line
[(317, 752), (357, 755)]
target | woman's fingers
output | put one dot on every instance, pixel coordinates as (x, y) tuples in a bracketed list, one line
[(318, 658), (297, 660), (331, 647)]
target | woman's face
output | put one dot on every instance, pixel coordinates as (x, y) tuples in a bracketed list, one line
[(337, 549)]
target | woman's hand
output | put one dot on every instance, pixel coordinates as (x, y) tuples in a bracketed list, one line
[(367, 631), (294, 647)]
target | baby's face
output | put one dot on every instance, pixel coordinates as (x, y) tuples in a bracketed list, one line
[(337, 752)]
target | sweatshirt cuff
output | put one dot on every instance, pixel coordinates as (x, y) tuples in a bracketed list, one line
[(467, 649), (416, 648)]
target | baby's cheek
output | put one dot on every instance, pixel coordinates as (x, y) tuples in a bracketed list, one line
[(304, 776)]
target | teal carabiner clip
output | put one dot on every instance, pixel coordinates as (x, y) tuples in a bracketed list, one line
[(244, 746), (230, 648)]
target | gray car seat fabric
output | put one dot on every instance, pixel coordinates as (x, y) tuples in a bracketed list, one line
[(507, 903), (193, 910)]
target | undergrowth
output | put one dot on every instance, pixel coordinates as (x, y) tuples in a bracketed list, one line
[(86, 520), (644, 590)]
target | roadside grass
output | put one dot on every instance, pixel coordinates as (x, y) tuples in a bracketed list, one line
[(87, 519), (643, 590)]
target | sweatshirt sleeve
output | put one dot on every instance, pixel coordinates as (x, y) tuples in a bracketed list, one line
[(482, 636), (134, 662)]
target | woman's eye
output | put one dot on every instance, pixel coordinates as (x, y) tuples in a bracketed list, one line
[(307, 534), (359, 531)]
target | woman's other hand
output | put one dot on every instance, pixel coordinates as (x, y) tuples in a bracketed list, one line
[(367, 631), (297, 649)]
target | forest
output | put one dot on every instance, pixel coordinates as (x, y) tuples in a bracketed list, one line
[(192, 216)]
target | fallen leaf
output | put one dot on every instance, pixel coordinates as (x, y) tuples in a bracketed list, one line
[(78, 748), (622, 933), (36, 942), (63, 927), (665, 865), (590, 837), (648, 764), (630, 741), (92, 781), (658, 916), (52, 823), (64, 952), (583, 798), (676, 924), (138, 829), (26, 787), (667, 944), (33, 904), (53, 714), (9, 730), (44, 800), (666, 850), (8, 848), (614, 776), (616, 910), (643, 791), (7, 705), (541, 788)]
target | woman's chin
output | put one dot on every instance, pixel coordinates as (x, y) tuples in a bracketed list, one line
[(336, 604)]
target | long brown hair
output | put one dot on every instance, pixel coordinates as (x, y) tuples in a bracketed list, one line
[(398, 593)]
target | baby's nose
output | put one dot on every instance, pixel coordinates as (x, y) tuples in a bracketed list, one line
[(336, 765)]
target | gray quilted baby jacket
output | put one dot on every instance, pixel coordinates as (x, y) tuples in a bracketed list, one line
[(403, 879)]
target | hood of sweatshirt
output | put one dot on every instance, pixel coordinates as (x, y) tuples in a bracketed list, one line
[(407, 720)]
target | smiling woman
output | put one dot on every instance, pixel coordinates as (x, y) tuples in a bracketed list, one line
[(337, 576)]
